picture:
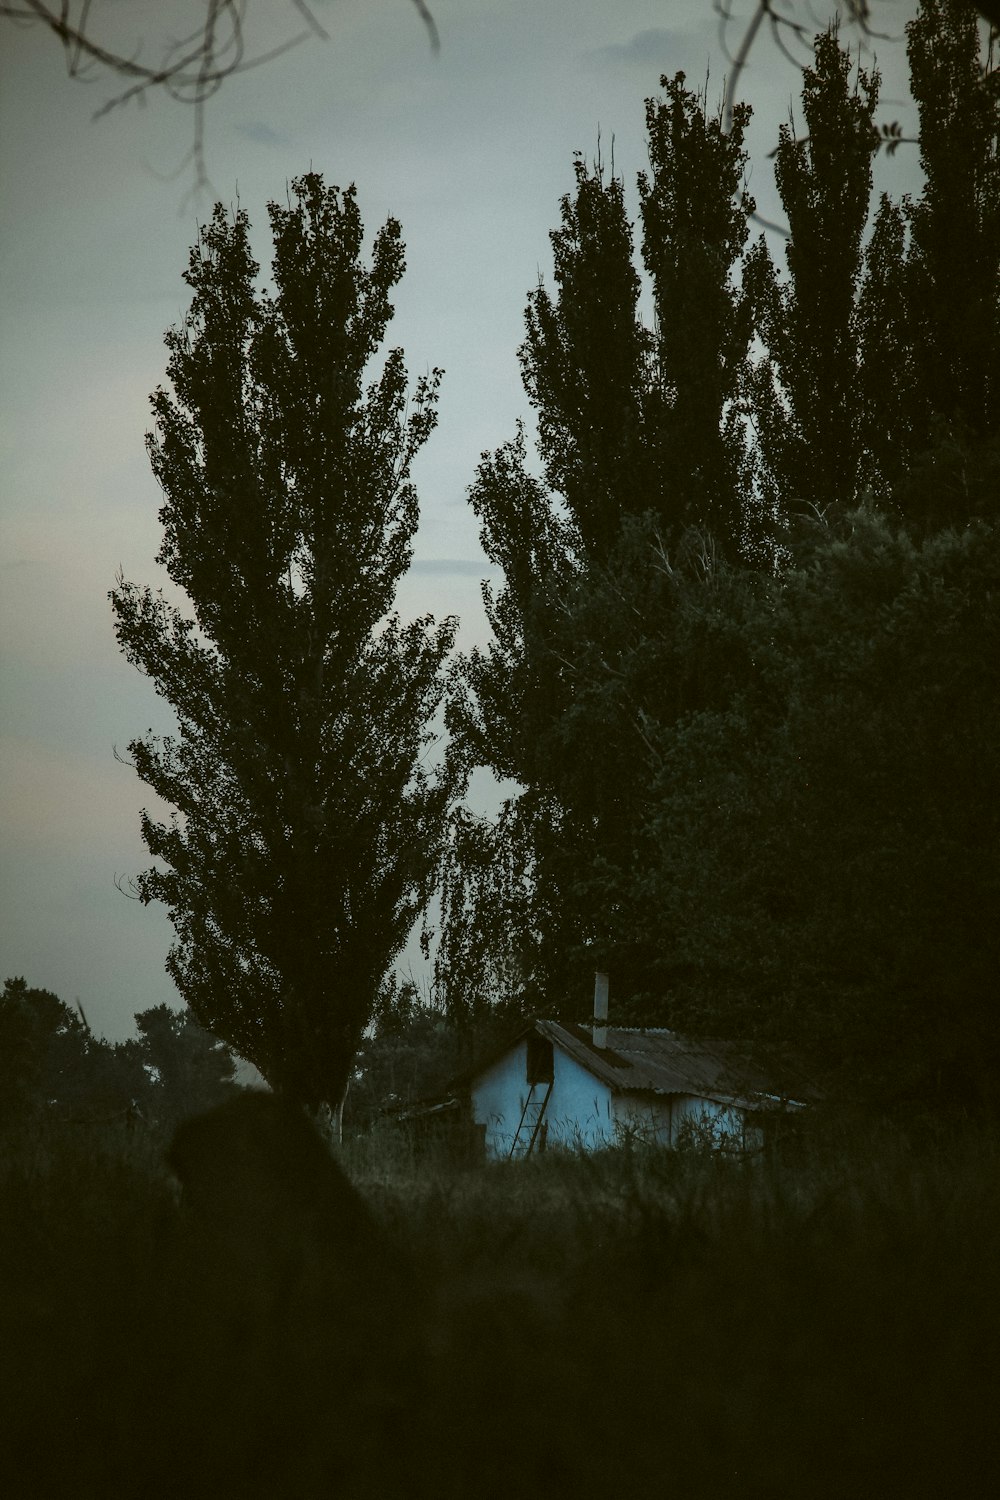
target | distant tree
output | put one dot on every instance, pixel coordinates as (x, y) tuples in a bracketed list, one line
[(188, 1069), (117, 1084), (43, 1048), (409, 1054), (52, 1065), (307, 827), (493, 955)]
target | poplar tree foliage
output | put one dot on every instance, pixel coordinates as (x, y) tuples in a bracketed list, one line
[(882, 360), (634, 424), (584, 364), (753, 717), (695, 211), (931, 303), (306, 826), (639, 442), (954, 260), (807, 404)]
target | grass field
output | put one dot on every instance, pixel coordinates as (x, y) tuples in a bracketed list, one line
[(823, 1322)]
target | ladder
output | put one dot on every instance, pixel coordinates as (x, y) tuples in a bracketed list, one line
[(531, 1119)]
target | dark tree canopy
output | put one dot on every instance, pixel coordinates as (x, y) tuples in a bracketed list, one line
[(307, 824), (55, 1071), (43, 1051), (824, 863), (752, 712)]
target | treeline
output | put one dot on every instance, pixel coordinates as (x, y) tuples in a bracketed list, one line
[(743, 665), (54, 1070)]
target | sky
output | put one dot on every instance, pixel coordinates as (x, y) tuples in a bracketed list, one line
[(471, 149)]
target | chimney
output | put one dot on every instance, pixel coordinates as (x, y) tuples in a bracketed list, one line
[(600, 1010)]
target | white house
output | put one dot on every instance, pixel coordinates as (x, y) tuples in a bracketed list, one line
[(592, 1086), (557, 1083)]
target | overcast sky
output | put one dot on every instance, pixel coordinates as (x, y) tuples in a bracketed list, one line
[(471, 149)]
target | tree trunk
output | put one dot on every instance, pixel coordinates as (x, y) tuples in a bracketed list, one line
[(329, 1120)]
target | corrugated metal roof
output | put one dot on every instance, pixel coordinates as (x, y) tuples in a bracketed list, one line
[(658, 1061)]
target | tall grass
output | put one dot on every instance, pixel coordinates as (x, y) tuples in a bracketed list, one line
[(820, 1322)]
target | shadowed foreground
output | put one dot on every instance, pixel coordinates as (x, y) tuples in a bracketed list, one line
[(818, 1325)]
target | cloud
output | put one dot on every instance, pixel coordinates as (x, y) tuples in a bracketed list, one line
[(263, 134), (654, 48)]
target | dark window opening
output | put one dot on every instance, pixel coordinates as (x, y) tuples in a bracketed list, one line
[(539, 1059)]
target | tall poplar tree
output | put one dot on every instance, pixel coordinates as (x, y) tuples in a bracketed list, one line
[(931, 305), (806, 398), (695, 213), (639, 445), (306, 827), (585, 366), (954, 261), (929, 311)]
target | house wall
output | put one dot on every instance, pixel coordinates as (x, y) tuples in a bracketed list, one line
[(579, 1111), (583, 1112), (669, 1119), (646, 1117)]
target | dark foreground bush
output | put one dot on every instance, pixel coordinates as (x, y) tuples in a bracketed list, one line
[(629, 1324)]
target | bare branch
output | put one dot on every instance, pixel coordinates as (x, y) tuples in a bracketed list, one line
[(189, 71), (128, 887), (121, 759), (787, 33), (428, 21)]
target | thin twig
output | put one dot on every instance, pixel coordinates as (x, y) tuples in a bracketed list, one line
[(191, 70)]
